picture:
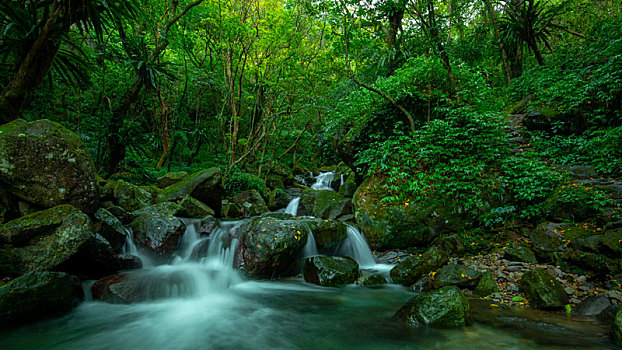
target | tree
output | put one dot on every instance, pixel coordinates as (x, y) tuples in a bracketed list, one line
[(33, 34)]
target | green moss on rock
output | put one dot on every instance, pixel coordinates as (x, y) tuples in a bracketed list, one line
[(411, 269), (543, 291), (330, 271), (442, 308)]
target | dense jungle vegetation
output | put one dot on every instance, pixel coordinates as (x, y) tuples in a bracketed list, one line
[(424, 95)]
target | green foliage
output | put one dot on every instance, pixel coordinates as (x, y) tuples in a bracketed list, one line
[(454, 157), (238, 182), (581, 201)]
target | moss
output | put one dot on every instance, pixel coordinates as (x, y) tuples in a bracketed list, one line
[(330, 271), (443, 308)]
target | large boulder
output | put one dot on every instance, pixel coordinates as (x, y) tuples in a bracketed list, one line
[(457, 274), (543, 291), (445, 307), (171, 178), (47, 239), (324, 204), (270, 247), (193, 208), (328, 234), (124, 288), (127, 195), (330, 271), (158, 229), (38, 295), (47, 165), (111, 229), (521, 254), (94, 260), (251, 203), (404, 225), (411, 269), (205, 185), (486, 285)]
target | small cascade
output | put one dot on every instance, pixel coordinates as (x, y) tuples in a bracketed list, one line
[(310, 248), (355, 246), (129, 248), (342, 181), (323, 181), (292, 207)]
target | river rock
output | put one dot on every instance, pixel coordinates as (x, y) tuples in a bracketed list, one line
[(278, 199), (54, 236), (349, 186), (409, 270), (193, 208), (457, 274), (543, 291), (374, 281), (611, 241), (330, 271), (593, 305), (546, 239), (251, 203), (269, 247), (38, 295), (47, 165), (616, 330), (328, 234), (521, 254), (94, 260), (324, 204), (171, 178), (445, 307), (128, 196), (157, 229), (486, 285), (205, 185), (111, 229)]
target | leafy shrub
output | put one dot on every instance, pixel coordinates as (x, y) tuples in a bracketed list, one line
[(238, 182), (576, 202)]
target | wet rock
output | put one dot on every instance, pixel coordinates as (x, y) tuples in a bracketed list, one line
[(120, 213), (546, 239), (230, 210), (129, 262), (251, 203), (128, 196), (349, 186), (330, 271), (205, 186), (414, 267), (171, 178), (593, 305), (54, 236), (374, 281), (38, 295), (611, 241), (278, 199), (522, 254), (157, 229), (111, 228), (95, 259), (193, 208), (452, 244), (269, 247), (543, 291), (328, 234), (445, 307), (324, 204), (456, 274), (47, 165), (486, 285)]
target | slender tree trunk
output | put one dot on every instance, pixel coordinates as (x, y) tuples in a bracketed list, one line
[(439, 45), (395, 25), (495, 26)]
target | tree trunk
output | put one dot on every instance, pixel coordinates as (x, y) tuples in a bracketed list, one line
[(395, 24), (495, 26), (433, 29)]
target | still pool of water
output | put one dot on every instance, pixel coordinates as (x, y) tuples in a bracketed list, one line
[(288, 314)]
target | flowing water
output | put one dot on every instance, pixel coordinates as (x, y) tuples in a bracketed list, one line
[(292, 206), (200, 301), (323, 181)]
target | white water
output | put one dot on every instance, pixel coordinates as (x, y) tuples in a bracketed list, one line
[(129, 248), (323, 181), (292, 206), (342, 182), (355, 246), (310, 248)]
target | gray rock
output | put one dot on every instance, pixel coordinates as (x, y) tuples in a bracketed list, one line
[(445, 307), (330, 271)]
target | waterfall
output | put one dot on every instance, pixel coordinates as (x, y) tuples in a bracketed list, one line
[(129, 248), (323, 181), (292, 207), (342, 181), (355, 246), (310, 248)]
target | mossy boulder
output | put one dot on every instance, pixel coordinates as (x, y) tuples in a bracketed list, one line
[(349, 186), (158, 229), (546, 239), (324, 204), (193, 208), (328, 234), (330, 271), (374, 281), (486, 285), (111, 229), (612, 243), (45, 164), (411, 269), (94, 260), (543, 291), (127, 195), (616, 330), (442, 308), (596, 264), (270, 247), (171, 178), (520, 254), (457, 274), (278, 199), (406, 224), (54, 236), (251, 203), (205, 185), (38, 295)]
